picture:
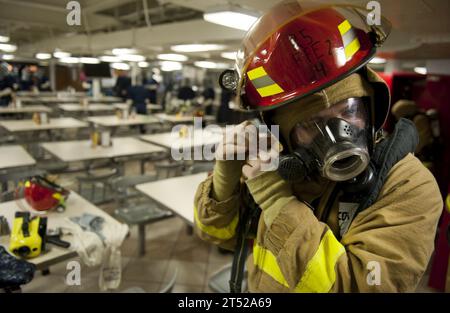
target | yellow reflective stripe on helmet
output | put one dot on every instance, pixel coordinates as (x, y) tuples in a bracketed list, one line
[(347, 32), (223, 233), (344, 27), (269, 90), (263, 83), (352, 48), (320, 274), (256, 73), (267, 262)]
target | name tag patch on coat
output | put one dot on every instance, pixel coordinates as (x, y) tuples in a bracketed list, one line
[(345, 216)]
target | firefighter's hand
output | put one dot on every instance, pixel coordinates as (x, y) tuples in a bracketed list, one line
[(235, 143), (265, 161), (230, 157)]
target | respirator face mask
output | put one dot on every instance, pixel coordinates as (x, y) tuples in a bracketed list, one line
[(334, 142)]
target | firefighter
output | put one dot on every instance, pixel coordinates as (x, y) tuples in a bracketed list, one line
[(346, 210), (6, 85)]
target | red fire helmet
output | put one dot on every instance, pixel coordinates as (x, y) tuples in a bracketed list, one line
[(43, 195), (297, 49)]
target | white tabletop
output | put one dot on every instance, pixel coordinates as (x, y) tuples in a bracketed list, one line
[(150, 106), (67, 99), (94, 107), (75, 206), (172, 140), (14, 156), (25, 109), (114, 121), (82, 150), (104, 99), (51, 99), (185, 187), (172, 118), (30, 125), (50, 93)]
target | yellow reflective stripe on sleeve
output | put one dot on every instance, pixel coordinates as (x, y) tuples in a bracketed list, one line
[(352, 48), (270, 90), (344, 27), (223, 233), (320, 274), (256, 73), (267, 262)]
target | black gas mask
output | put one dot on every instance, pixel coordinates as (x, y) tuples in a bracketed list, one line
[(333, 142)]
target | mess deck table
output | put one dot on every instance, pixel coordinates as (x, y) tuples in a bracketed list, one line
[(75, 206), (82, 150), (15, 156), (172, 140), (162, 192), (25, 109), (54, 123)]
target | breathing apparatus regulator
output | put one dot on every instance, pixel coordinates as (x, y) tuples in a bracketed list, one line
[(28, 235), (335, 143)]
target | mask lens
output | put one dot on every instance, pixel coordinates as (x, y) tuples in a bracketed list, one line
[(337, 137), (351, 110)]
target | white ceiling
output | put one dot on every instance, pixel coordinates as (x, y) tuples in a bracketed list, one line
[(421, 28)]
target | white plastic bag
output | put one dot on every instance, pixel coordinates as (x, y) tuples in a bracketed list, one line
[(87, 244)]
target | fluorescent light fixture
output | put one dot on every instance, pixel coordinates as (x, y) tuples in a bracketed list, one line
[(168, 66), (229, 55), (43, 56), (231, 17), (61, 54), (172, 57), (211, 65), (132, 57), (89, 60), (377, 60), (4, 38), (8, 47), (197, 47), (143, 64), (120, 51), (110, 59), (8, 57), (69, 60), (420, 70), (120, 66)]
